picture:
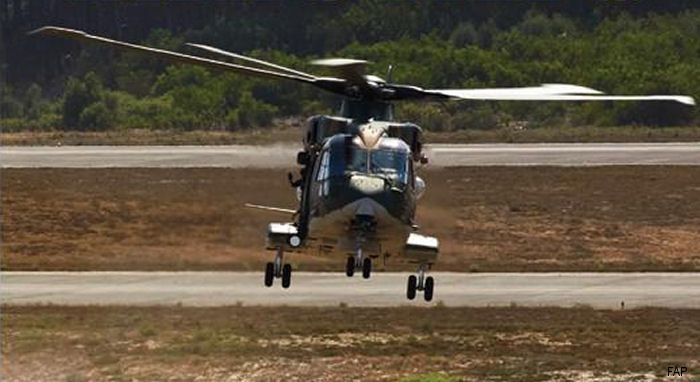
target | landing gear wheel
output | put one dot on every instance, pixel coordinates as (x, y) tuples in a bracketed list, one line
[(411, 290), (366, 267), (286, 275), (428, 291), (350, 267), (269, 274)]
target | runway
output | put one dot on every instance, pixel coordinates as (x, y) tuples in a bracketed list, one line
[(599, 290), (276, 156)]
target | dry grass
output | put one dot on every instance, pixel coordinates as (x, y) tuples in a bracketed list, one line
[(488, 219), (335, 344), (151, 137), (286, 133)]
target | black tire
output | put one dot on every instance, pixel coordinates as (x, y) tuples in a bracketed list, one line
[(286, 276), (366, 267), (428, 292), (411, 290), (269, 274), (350, 267)]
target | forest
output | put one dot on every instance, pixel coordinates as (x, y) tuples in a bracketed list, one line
[(621, 47)]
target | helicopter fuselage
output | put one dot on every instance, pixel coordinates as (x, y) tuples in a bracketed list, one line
[(360, 196), (359, 190)]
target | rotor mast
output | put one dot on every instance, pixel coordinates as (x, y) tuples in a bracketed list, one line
[(363, 110)]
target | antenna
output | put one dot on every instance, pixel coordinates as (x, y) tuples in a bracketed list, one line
[(389, 72)]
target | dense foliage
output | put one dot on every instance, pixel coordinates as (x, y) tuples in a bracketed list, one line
[(615, 46)]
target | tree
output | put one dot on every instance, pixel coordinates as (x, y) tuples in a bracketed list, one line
[(32, 102), (75, 100), (251, 113)]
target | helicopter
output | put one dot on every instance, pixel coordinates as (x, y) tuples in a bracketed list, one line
[(358, 187)]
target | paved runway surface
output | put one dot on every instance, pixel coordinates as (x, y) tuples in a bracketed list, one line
[(283, 155), (600, 290)]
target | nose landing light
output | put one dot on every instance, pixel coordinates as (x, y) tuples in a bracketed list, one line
[(294, 241)]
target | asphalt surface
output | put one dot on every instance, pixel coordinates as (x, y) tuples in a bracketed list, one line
[(595, 154), (599, 290)]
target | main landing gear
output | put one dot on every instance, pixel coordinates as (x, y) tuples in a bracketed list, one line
[(278, 269), (420, 283), (358, 262)]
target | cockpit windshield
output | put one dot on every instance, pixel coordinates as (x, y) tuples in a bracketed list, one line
[(342, 157), (393, 164), (356, 160), (390, 163)]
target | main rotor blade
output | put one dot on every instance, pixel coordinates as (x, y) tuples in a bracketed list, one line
[(544, 89), (351, 70), (279, 68), (168, 55), (550, 92), (353, 73)]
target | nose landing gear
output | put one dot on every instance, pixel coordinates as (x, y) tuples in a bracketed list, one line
[(350, 267), (359, 261), (420, 283), (366, 267), (278, 270)]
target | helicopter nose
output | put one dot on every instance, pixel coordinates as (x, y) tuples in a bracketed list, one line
[(364, 208)]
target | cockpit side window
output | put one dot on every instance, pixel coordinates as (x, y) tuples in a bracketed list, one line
[(323, 169)]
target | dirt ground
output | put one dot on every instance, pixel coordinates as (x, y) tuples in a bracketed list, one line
[(340, 344), (487, 218)]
